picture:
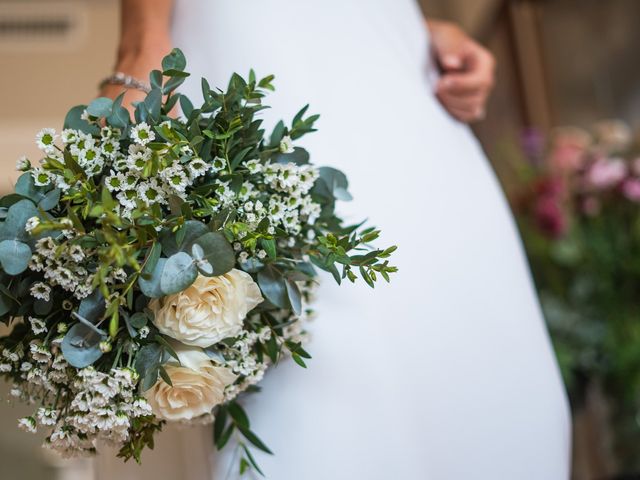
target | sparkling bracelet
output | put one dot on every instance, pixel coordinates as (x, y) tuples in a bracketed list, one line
[(127, 81)]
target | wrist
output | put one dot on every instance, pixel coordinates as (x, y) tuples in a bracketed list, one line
[(140, 57), (437, 27)]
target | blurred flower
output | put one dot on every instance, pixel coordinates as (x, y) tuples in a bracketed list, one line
[(631, 189), (569, 148), (605, 173), (613, 135), (533, 144), (550, 186), (549, 216)]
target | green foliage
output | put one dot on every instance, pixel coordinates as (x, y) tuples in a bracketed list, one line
[(587, 273), (97, 249)]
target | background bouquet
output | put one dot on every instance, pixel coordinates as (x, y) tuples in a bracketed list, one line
[(153, 270), (580, 218)]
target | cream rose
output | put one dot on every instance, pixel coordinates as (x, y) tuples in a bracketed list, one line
[(198, 386), (210, 310)]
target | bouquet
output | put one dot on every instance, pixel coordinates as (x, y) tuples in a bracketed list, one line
[(580, 217), (152, 270)]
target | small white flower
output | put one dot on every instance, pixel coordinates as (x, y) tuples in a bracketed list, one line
[(32, 223), (175, 178), (264, 335), (142, 134), (40, 290), (69, 135), (110, 148), (28, 424), (286, 145), (254, 166), (150, 192), (89, 155), (218, 164), (261, 254), (11, 356), (5, 367), (39, 353), (15, 392), (197, 167), (144, 332), (23, 164), (76, 253), (41, 177), (47, 416), (106, 132), (45, 139)]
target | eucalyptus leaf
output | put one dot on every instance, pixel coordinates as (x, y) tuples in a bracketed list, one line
[(153, 104), (174, 61), (147, 363), (74, 120), (81, 346), (119, 115), (14, 256), (179, 273), (295, 298), (138, 320), (334, 183), (299, 156), (93, 307), (100, 107), (13, 226), (50, 200), (274, 287), (191, 230), (215, 249), (150, 286)]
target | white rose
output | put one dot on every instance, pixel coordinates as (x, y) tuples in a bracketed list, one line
[(198, 386), (210, 310)]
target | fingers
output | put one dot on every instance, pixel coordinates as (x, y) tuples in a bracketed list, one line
[(473, 105), (466, 116), (464, 93)]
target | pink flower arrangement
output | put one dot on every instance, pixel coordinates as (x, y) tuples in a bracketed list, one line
[(581, 174)]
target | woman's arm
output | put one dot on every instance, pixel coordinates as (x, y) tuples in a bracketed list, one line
[(144, 40), (467, 71)]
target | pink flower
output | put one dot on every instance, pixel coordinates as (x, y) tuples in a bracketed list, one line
[(569, 149), (550, 186), (606, 173), (566, 157), (549, 216), (631, 189)]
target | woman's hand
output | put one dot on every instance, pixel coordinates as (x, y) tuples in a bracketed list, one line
[(144, 41), (467, 71)]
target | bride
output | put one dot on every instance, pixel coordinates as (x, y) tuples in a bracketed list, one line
[(448, 372)]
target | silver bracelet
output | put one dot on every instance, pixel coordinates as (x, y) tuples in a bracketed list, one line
[(127, 81)]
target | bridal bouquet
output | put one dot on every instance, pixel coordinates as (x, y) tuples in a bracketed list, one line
[(153, 270), (580, 218)]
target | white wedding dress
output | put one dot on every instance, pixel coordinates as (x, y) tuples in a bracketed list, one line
[(445, 374)]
